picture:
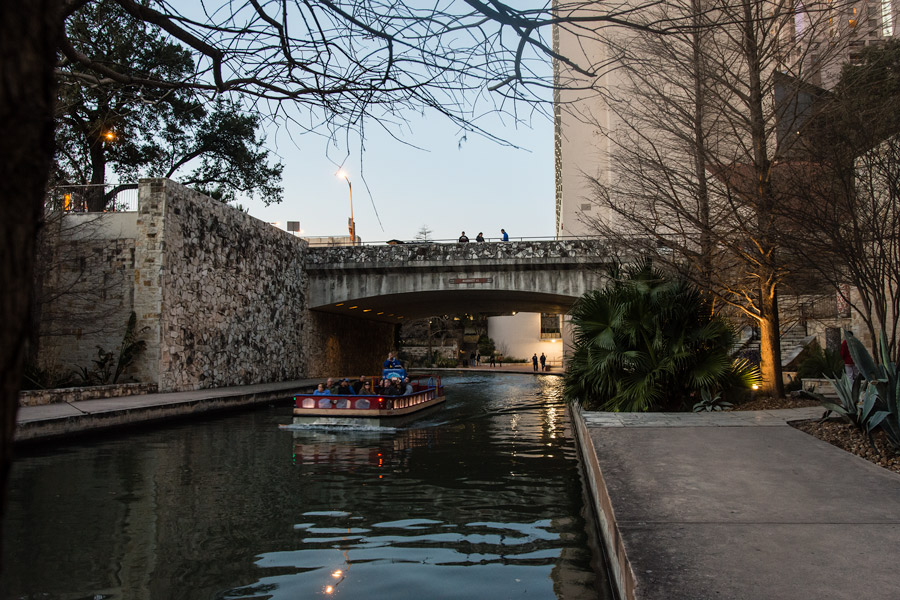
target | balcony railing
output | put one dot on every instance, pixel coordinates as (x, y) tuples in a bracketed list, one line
[(92, 198)]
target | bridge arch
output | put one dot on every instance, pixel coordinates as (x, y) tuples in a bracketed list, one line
[(409, 281)]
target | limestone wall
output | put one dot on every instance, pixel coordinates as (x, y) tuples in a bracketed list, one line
[(347, 346), (84, 288), (223, 294)]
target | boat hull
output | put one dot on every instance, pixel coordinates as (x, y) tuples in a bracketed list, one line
[(365, 410)]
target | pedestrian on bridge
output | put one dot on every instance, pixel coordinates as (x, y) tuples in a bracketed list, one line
[(534, 361), (504, 236), (543, 362), (463, 239)]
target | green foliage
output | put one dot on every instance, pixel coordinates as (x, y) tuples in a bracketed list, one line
[(820, 363), (154, 130), (107, 368), (870, 401), (131, 347), (36, 378), (486, 346), (101, 372), (710, 403), (647, 342)]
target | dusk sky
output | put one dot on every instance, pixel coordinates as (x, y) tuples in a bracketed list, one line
[(449, 185)]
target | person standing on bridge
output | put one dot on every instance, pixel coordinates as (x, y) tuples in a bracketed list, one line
[(534, 361), (479, 237), (504, 236), (543, 362), (463, 239)]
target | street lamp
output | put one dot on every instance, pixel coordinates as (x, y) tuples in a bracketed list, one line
[(351, 224)]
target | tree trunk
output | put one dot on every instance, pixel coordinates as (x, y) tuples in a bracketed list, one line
[(29, 33), (770, 342), (96, 198)]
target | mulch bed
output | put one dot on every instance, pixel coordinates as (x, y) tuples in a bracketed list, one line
[(834, 431)]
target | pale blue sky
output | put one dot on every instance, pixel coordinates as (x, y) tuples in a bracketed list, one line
[(449, 185)]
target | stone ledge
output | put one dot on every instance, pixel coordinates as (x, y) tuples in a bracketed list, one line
[(61, 395)]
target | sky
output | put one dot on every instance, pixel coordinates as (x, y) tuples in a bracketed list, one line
[(445, 182)]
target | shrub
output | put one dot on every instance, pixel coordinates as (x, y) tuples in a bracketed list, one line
[(648, 342), (820, 363)]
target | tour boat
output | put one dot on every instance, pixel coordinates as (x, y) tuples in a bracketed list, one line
[(368, 410)]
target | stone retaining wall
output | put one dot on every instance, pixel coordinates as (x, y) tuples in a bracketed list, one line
[(222, 294), (42, 397)]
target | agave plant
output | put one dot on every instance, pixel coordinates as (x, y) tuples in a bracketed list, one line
[(710, 403), (646, 342), (884, 411)]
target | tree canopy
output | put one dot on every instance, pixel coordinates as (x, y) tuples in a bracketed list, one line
[(148, 129)]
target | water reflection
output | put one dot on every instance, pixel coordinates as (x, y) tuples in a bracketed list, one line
[(479, 500)]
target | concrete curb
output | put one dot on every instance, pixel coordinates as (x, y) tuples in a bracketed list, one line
[(616, 557)]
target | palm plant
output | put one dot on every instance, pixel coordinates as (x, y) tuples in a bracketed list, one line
[(647, 342)]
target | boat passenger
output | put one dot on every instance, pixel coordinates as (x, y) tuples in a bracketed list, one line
[(394, 389), (409, 387), (320, 390), (392, 362), (366, 390), (344, 388), (359, 383), (330, 385)]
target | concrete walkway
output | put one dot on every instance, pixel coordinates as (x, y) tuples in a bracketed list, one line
[(739, 506), (68, 418)]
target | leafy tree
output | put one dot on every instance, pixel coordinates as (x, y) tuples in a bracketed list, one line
[(647, 342), (144, 129), (486, 345)]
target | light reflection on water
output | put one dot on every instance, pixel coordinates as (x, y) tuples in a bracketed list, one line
[(480, 499)]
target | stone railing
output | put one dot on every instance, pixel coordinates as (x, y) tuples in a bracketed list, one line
[(590, 250), (42, 397)]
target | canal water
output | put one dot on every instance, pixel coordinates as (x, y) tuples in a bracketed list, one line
[(480, 499)]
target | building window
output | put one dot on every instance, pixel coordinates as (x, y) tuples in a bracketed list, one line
[(551, 326)]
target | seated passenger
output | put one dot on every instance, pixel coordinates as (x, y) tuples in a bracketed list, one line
[(320, 390), (344, 388), (330, 386), (359, 383), (409, 386), (365, 390), (395, 389)]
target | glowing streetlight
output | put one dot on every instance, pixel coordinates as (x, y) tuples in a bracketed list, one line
[(109, 135), (351, 224)]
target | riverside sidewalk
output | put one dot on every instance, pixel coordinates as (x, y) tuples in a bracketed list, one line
[(67, 418), (739, 506)]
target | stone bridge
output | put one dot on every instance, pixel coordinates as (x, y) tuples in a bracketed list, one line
[(408, 281)]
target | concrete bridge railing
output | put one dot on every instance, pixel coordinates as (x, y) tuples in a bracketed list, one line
[(569, 251)]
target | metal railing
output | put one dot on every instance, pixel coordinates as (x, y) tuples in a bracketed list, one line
[(102, 197)]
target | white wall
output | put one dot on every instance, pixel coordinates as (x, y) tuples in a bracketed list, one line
[(520, 334)]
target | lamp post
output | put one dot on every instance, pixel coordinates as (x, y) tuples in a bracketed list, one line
[(351, 224)]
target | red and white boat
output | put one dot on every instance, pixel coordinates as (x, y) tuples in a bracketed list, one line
[(369, 410)]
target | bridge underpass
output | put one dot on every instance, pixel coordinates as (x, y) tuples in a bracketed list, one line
[(393, 283), (358, 294)]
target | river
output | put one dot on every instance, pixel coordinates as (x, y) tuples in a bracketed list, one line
[(480, 499)]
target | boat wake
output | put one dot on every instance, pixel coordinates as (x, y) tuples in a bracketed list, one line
[(354, 427)]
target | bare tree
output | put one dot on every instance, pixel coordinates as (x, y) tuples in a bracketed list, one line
[(847, 206), (698, 138)]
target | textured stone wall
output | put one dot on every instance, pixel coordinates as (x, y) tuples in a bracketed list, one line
[(79, 394), (568, 250), (223, 294), (84, 291), (347, 346)]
